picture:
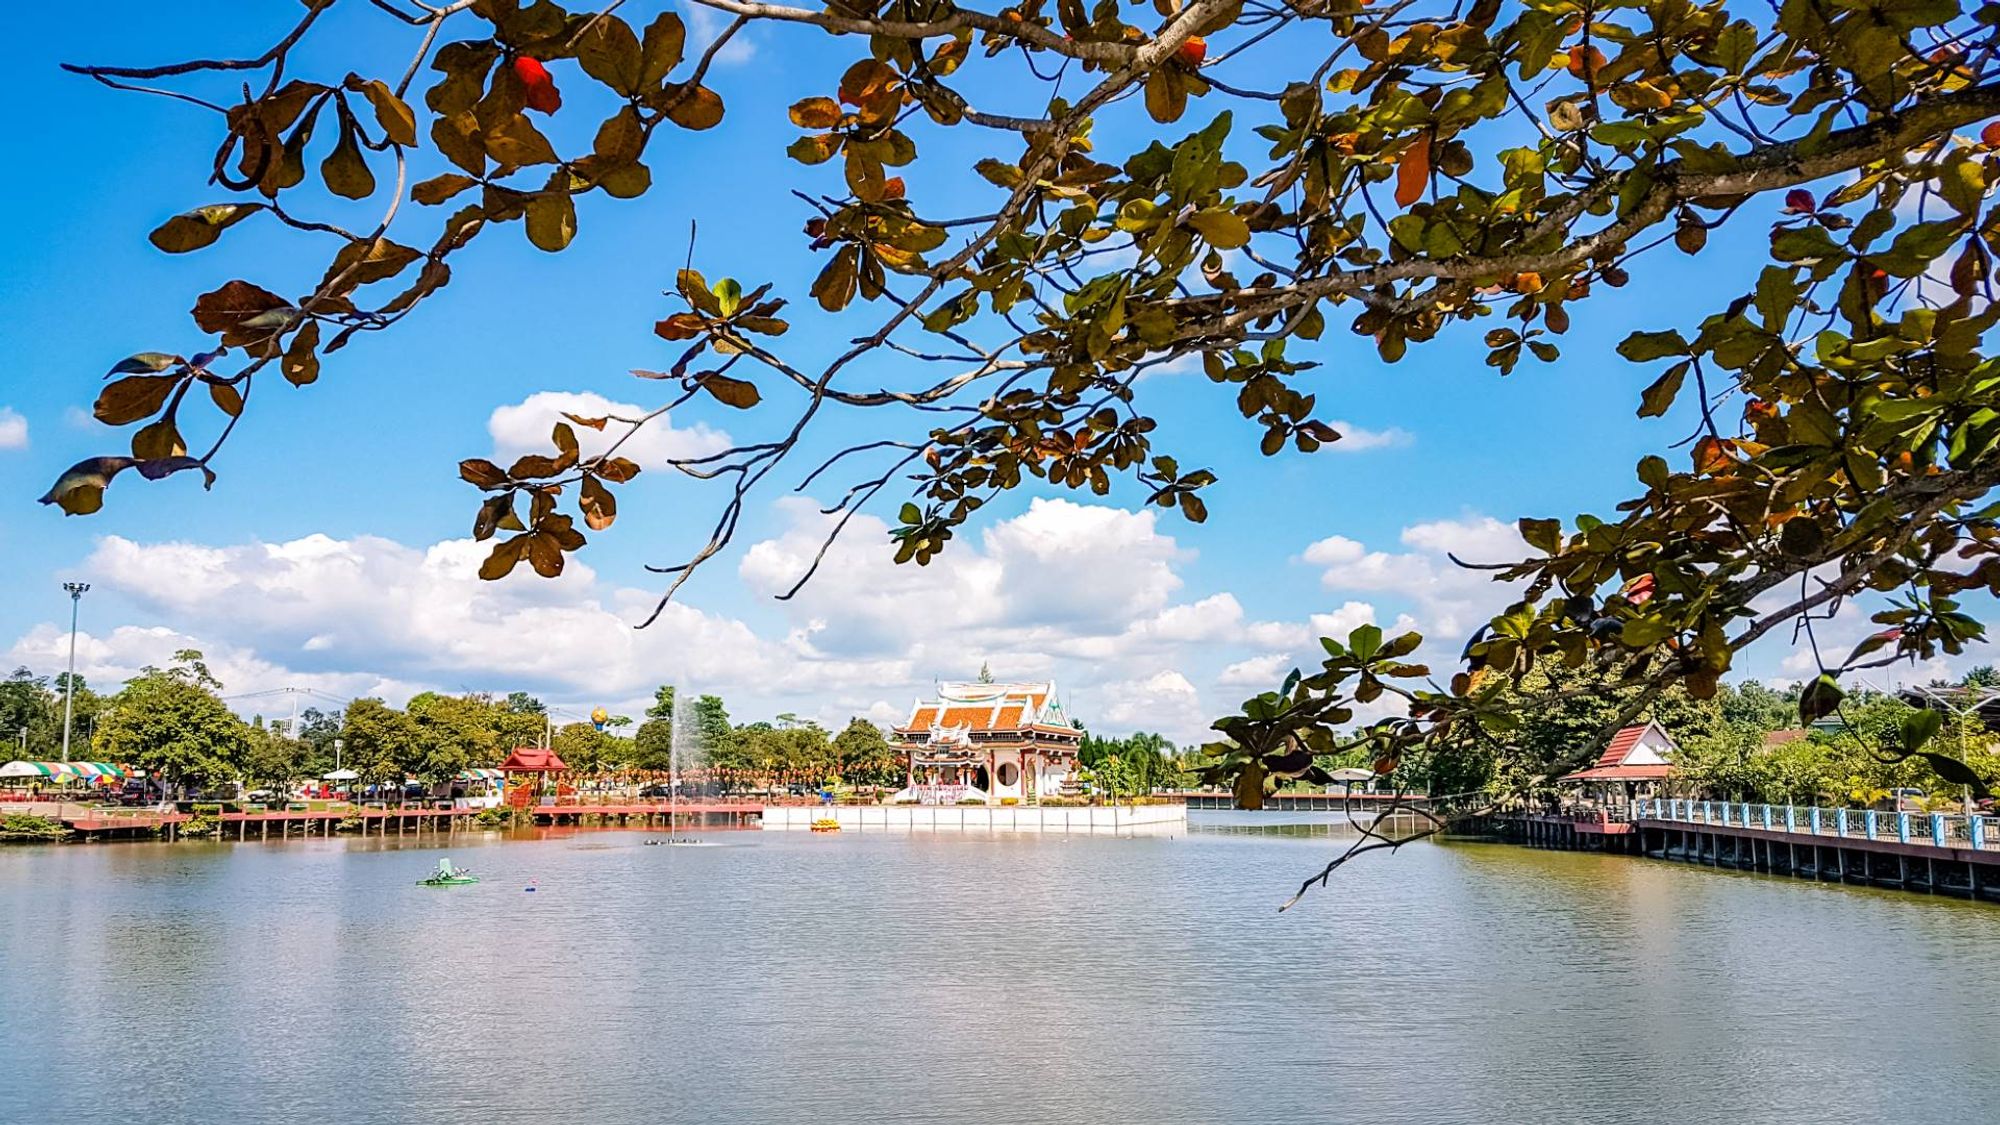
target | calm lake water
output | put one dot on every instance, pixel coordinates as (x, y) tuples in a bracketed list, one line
[(798, 978)]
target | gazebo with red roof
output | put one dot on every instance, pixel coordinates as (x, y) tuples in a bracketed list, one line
[(532, 759), (1635, 761), (987, 742)]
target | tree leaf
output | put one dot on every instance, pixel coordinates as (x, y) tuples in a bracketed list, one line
[(481, 472), (730, 392), (227, 399), (143, 363), (345, 170), (1820, 698), (134, 397), (398, 123), (609, 52), (660, 52), (1655, 399), (816, 113), (437, 189), (1224, 230), (192, 230), (80, 489), (600, 508), (551, 220), (1413, 171), (698, 108)]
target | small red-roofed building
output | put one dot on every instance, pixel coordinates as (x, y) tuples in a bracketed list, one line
[(987, 742), (1635, 763)]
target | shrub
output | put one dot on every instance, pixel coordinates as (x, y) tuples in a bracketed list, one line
[(206, 821), (1010, 800), (26, 828), (499, 816), (970, 801)]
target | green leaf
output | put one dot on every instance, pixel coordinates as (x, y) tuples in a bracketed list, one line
[(1920, 727), (1642, 346), (1655, 399), (1819, 699), (1364, 642)]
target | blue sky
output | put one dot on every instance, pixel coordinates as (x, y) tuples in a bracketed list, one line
[(329, 554)]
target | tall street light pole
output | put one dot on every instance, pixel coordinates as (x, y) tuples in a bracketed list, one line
[(76, 592)]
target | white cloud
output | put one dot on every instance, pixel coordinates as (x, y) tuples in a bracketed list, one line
[(1165, 701), (1259, 672), (1447, 598), (705, 24), (1359, 439), (1092, 595), (13, 429), (525, 426)]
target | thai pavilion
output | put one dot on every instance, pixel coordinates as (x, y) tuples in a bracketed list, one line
[(987, 742)]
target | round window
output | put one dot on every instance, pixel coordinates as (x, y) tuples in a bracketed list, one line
[(1010, 773)]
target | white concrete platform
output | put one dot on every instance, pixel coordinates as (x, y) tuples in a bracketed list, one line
[(1104, 820)]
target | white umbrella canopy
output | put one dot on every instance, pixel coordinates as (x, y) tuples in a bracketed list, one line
[(341, 775), (1352, 774)]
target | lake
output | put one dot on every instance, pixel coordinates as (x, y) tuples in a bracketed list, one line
[(797, 978)]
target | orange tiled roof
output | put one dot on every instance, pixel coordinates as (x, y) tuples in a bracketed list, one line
[(1621, 744)]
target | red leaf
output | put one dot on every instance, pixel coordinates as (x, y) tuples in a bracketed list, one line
[(542, 95), (1192, 51), (1990, 136), (1413, 172), (1799, 201)]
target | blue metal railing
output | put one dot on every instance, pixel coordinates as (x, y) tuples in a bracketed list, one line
[(1941, 830)]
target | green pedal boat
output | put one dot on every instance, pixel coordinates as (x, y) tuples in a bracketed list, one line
[(448, 876)]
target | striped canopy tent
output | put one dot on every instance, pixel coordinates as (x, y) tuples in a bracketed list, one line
[(481, 775), (67, 771)]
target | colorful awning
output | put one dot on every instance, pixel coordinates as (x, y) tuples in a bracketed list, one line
[(82, 771), (480, 775)]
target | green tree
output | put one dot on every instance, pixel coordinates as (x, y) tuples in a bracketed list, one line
[(273, 761), (30, 716), (379, 742), (452, 733), (583, 747), (171, 723), (862, 756)]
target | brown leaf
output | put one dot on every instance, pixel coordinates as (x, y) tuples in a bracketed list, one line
[(609, 52), (192, 230), (437, 189), (599, 506), (621, 138), (398, 123), (226, 398), (660, 51), (222, 310), (1413, 171), (544, 555), (505, 557), (133, 398), (515, 140), (80, 489), (345, 170), (816, 113), (480, 471), (699, 108), (730, 392), (592, 423), (161, 439), (617, 470), (301, 365), (680, 326)]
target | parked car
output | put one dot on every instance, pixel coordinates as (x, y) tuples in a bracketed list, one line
[(1906, 800)]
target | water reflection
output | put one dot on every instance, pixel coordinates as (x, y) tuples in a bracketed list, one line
[(975, 979)]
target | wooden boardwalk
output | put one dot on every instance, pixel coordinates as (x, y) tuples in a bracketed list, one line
[(1937, 853), (400, 820)]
